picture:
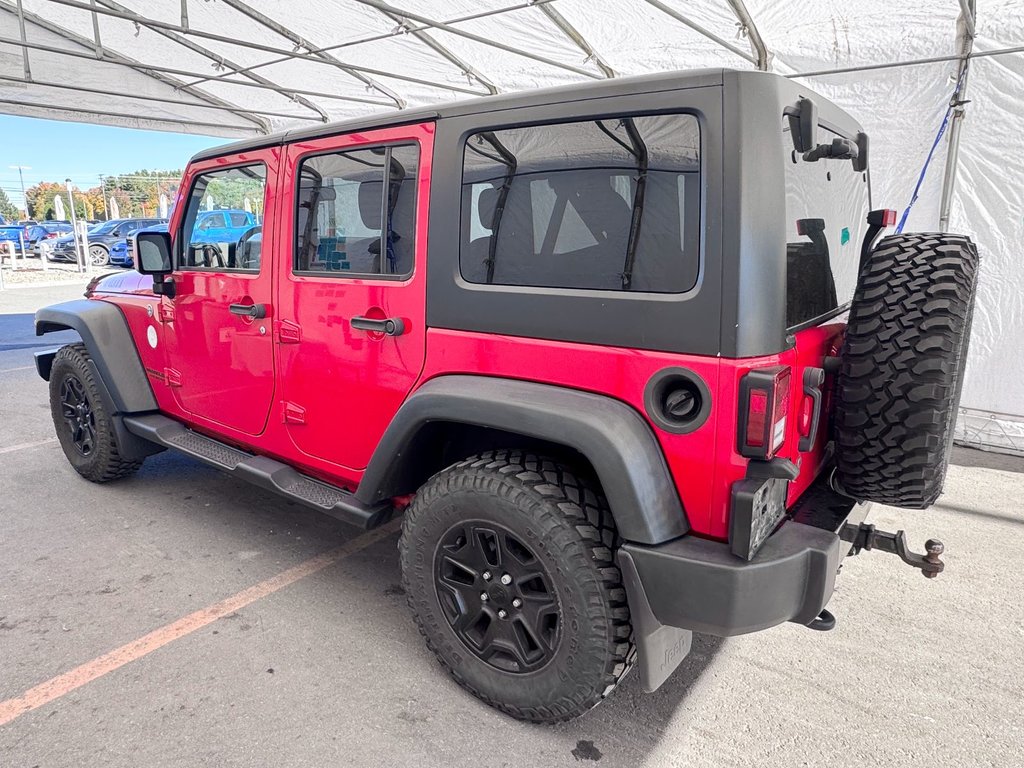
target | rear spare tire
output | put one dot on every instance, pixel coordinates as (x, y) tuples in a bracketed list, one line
[(902, 367)]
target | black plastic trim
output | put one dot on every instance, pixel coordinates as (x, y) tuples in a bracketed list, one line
[(105, 333), (262, 471), (615, 439), (700, 585), (652, 400)]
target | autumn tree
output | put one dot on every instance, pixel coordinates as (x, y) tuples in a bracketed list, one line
[(7, 209)]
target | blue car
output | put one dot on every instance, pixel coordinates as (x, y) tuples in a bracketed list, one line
[(122, 253), (12, 233), (225, 226)]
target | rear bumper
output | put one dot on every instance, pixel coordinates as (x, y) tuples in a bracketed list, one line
[(699, 585)]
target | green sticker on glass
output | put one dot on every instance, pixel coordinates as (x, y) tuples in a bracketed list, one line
[(844, 238)]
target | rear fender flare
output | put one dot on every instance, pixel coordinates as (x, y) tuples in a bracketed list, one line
[(613, 437)]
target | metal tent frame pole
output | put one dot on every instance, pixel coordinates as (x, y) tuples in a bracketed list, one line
[(965, 42), (764, 57)]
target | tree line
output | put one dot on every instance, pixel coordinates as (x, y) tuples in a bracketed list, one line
[(137, 194)]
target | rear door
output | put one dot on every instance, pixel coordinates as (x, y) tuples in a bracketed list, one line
[(351, 321), (220, 356)]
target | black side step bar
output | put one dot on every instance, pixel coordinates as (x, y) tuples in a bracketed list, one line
[(260, 470)]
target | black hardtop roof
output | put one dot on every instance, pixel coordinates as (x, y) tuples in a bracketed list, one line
[(620, 86)]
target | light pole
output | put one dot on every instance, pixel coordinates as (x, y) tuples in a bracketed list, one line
[(21, 175)]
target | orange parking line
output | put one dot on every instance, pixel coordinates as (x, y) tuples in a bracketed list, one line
[(23, 446), (63, 684)]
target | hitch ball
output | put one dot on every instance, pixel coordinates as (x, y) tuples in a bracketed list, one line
[(934, 548)]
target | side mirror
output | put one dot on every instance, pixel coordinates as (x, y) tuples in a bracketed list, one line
[(153, 257)]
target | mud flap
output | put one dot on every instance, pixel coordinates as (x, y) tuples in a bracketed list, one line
[(660, 649)]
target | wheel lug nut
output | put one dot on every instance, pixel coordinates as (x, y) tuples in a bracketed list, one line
[(487, 575), (506, 579), (502, 614), (484, 597), (517, 603)]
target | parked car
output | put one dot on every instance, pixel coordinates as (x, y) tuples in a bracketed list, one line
[(628, 356), (101, 238), (47, 230), (11, 233), (122, 253)]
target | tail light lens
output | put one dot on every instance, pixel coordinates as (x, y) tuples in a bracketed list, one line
[(764, 405), (51, 235)]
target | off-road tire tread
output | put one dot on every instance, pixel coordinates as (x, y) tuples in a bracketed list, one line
[(108, 463), (568, 498), (902, 366)]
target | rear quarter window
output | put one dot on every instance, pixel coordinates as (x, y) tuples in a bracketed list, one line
[(610, 204)]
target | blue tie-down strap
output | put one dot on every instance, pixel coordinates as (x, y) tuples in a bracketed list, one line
[(954, 101)]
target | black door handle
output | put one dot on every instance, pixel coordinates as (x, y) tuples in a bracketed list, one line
[(391, 326), (255, 311)]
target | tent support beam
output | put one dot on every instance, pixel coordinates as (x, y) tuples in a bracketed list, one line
[(911, 62), (298, 40), (24, 50), (382, 6), (75, 109), (424, 37), (573, 34), (211, 55), (155, 99), (750, 29), (114, 57), (402, 30), (163, 26), (701, 30), (965, 43)]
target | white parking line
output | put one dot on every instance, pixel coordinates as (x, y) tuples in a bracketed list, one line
[(23, 368), (24, 446)]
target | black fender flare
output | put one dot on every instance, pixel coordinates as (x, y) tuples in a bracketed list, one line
[(105, 333), (612, 435)]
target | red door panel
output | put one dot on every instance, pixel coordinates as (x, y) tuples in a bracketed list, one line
[(341, 385), (220, 365)]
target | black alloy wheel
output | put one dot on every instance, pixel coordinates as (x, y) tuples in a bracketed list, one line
[(78, 414), (497, 596)]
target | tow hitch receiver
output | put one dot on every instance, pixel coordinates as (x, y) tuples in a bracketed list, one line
[(866, 536)]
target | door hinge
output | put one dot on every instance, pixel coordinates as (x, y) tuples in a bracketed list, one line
[(294, 414), (166, 312), (173, 377), (289, 332)]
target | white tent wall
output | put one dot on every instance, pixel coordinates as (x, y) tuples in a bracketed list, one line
[(235, 68), (988, 203)]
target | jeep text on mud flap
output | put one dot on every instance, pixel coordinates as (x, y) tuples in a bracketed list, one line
[(625, 354)]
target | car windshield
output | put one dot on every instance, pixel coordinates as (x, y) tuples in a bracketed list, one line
[(103, 227)]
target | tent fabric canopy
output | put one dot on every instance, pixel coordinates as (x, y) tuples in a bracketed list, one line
[(238, 68)]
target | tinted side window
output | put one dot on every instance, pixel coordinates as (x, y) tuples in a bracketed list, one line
[(356, 212), (826, 220), (208, 242), (238, 219), (605, 204)]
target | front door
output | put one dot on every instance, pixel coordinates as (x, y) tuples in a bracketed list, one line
[(220, 354), (351, 293)]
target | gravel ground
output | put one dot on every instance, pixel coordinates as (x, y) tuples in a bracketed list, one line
[(329, 670)]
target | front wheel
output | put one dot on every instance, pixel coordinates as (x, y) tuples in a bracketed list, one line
[(83, 425), (507, 559)]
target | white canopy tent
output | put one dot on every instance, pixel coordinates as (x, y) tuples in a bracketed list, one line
[(243, 67)]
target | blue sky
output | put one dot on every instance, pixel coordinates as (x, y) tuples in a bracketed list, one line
[(58, 150)]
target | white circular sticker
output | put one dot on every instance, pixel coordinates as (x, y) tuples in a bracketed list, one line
[(151, 336)]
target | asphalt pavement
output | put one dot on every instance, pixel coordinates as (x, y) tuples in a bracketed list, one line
[(183, 618)]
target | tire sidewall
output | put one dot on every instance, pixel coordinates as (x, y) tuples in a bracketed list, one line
[(580, 656)]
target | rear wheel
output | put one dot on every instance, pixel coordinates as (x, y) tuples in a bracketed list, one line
[(902, 368), (507, 559), (99, 256), (83, 425)]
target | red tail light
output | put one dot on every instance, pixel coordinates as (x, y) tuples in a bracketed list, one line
[(764, 405), (51, 235)]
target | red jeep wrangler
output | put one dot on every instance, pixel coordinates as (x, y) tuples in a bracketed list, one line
[(625, 354)]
